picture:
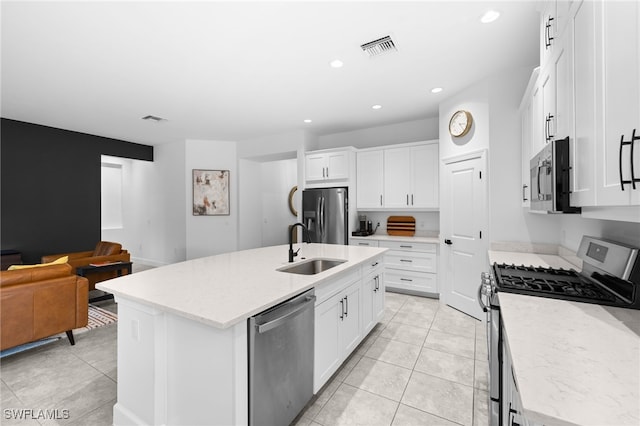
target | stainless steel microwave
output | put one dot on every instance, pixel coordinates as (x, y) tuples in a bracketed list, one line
[(550, 179)]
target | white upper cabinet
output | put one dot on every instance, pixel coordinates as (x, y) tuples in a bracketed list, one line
[(527, 109), (618, 96), (402, 178), (581, 35), (328, 166), (424, 177), (370, 179)]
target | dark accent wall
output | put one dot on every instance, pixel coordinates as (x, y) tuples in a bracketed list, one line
[(50, 183)]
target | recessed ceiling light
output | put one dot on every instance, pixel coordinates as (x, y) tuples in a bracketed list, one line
[(307, 121), (490, 16), (376, 106), (436, 90), (336, 63)]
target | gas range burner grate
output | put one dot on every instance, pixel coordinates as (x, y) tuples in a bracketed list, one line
[(556, 283)]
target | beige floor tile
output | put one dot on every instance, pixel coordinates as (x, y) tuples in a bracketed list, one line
[(482, 349), (409, 416), (101, 416), (353, 406), (316, 404), (347, 366), (453, 324), (446, 366), (451, 343), (394, 352), (421, 304), (404, 333), (379, 377), (440, 397), (416, 319)]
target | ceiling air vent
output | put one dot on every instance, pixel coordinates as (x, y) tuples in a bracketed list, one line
[(379, 47)]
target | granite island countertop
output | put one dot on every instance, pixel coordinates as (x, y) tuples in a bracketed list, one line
[(225, 289), (574, 363)]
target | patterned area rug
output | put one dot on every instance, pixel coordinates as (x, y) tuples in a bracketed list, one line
[(98, 317)]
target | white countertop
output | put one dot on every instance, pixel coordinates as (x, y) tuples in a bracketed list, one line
[(575, 363), (530, 259), (385, 237), (225, 289)]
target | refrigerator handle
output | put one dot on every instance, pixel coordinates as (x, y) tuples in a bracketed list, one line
[(322, 217)]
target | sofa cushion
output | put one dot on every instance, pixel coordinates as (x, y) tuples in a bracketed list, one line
[(106, 248), (62, 260), (19, 276)]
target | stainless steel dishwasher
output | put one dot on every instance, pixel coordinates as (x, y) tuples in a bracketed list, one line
[(281, 361)]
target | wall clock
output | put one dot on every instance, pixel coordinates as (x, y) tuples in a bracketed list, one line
[(460, 123)]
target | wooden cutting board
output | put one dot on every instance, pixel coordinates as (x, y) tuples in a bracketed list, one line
[(404, 226)]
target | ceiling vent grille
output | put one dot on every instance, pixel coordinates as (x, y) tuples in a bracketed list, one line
[(153, 118), (379, 47)]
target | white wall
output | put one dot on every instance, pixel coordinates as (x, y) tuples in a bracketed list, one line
[(277, 179), (425, 221), (209, 235), (409, 131), (152, 207), (494, 104)]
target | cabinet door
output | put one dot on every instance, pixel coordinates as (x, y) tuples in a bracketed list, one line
[(350, 330), (581, 32), (337, 165), (370, 179), (548, 32), (368, 296), (378, 298), (424, 176), (549, 103), (397, 177), (327, 348), (537, 123), (620, 87), (315, 167), (526, 152)]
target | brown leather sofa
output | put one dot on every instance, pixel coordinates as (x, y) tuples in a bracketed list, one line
[(40, 302), (105, 251)]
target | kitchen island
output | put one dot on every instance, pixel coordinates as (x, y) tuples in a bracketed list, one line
[(573, 363), (182, 328)]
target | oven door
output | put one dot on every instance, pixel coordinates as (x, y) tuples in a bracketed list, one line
[(488, 300)]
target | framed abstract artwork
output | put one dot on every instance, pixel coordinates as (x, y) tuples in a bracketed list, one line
[(210, 192)]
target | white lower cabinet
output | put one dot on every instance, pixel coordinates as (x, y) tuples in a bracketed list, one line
[(362, 242), (411, 266), (345, 312), (373, 286)]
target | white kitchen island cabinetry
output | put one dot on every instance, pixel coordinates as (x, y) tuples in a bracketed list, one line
[(183, 336)]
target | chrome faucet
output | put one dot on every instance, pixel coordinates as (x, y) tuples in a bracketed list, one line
[(305, 233)]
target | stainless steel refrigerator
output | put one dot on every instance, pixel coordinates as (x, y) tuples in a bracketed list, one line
[(325, 213)]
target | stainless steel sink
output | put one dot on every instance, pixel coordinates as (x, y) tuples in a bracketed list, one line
[(311, 266)]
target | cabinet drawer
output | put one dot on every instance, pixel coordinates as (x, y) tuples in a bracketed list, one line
[(409, 246), (418, 261), (411, 281), (363, 243), (376, 265), (325, 291)]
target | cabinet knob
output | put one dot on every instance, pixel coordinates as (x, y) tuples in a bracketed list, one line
[(448, 241)]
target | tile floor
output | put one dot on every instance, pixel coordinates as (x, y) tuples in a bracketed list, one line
[(424, 364)]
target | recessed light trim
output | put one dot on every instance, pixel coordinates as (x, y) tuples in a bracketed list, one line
[(436, 90), (376, 107), (307, 120), (336, 63), (490, 16)]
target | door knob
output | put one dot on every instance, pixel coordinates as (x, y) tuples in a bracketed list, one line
[(448, 241)]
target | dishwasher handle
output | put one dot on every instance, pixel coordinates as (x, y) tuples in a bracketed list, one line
[(309, 300)]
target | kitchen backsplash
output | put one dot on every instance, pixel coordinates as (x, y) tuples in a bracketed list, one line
[(427, 223)]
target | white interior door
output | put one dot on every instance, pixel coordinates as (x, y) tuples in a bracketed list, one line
[(463, 227)]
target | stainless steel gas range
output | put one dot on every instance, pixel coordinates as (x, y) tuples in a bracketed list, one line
[(610, 276)]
